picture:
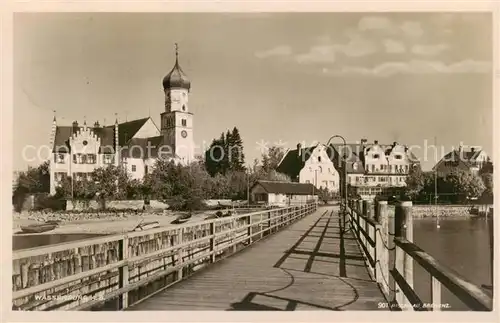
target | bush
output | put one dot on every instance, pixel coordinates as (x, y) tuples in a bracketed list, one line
[(51, 203)]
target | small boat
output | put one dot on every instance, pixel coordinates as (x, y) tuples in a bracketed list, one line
[(147, 225), (53, 222), (38, 228), (182, 219)]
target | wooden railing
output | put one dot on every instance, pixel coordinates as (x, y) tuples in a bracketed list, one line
[(390, 255), (117, 271)]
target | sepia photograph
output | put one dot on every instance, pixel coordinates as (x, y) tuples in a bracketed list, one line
[(253, 161)]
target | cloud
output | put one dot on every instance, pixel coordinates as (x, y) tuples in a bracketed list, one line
[(375, 23), (327, 51), (415, 67), (412, 29), (429, 50), (282, 50), (394, 47), (317, 54)]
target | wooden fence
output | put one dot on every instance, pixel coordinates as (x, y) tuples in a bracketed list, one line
[(117, 271), (390, 255)]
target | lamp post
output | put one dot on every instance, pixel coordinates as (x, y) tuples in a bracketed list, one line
[(248, 187), (345, 169)]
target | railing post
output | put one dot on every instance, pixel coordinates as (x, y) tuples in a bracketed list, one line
[(124, 272), (180, 254), (403, 228), (234, 225), (368, 213), (435, 293), (212, 242), (261, 225), (359, 206), (269, 222), (249, 230), (382, 217)]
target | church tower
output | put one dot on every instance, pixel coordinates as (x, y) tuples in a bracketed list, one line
[(177, 121)]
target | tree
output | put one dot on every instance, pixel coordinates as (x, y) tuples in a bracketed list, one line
[(415, 182), (182, 187), (487, 196), (235, 151), (225, 154), (34, 180), (464, 185), (324, 195), (271, 159)]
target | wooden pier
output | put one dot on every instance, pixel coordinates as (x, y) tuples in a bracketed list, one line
[(293, 258)]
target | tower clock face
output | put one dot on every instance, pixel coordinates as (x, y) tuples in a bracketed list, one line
[(184, 133)]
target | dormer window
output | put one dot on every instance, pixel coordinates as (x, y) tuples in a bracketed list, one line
[(376, 156), (183, 108), (59, 158), (398, 157)]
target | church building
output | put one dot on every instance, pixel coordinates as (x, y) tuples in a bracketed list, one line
[(134, 145)]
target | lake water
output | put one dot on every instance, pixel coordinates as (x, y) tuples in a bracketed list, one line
[(460, 243), (26, 241)]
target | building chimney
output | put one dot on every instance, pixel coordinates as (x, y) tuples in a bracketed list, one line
[(75, 124), (363, 141), (97, 125), (299, 149), (472, 149), (375, 142), (460, 148), (394, 144)]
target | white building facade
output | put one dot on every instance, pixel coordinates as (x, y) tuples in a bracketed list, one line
[(310, 165), (135, 145)]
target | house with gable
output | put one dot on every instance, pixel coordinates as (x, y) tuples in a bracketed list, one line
[(375, 168), (310, 165), (135, 145), (472, 160)]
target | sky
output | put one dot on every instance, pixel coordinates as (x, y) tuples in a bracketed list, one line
[(280, 78)]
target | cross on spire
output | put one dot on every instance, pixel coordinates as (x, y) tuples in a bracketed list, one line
[(176, 51), (54, 115)]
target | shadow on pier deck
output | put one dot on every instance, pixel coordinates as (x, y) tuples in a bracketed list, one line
[(311, 265)]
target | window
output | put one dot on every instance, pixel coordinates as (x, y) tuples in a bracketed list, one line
[(332, 183), (59, 176), (83, 158), (146, 169), (376, 156), (373, 168), (91, 158), (319, 159), (325, 183), (108, 159), (183, 108), (134, 168), (320, 170), (398, 157), (77, 159), (184, 122), (59, 158), (308, 182)]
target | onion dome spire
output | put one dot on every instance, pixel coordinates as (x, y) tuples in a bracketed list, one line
[(176, 78)]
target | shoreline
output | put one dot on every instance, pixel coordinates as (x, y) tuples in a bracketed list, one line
[(105, 226)]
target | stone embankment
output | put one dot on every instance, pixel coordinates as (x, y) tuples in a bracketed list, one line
[(426, 211)]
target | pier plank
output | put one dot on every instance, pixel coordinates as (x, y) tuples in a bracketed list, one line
[(311, 265)]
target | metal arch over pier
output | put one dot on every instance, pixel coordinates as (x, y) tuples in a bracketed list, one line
[(294, 258)]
